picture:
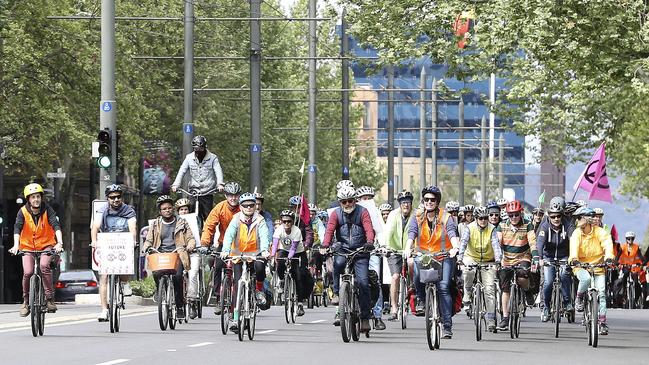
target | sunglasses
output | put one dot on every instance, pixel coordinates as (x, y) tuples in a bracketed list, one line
[(555, 216), (347, 201), (247, 205), (482, 218), (285, 222), (428, 200), (514, 215), (494, 215), (114, 197)]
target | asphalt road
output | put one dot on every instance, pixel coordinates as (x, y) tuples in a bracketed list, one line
[(73, 336)]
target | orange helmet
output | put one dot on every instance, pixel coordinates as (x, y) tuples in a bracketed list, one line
[(513, 207)]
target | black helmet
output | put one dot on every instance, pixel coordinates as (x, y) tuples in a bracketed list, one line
[(404, 196), (480, 212), (570, 208), (287, 213), (199, 141), (432, 190), (259, 196), (113, 188), (232, 188), (163, 199)]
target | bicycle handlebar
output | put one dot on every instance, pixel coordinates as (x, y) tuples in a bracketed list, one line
[(152, 250), (244, 257), (49, 252), (555, 263), (194, 193)]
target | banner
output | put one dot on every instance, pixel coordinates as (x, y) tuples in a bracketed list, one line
[(157, 169), (114, 254), (594, 179)]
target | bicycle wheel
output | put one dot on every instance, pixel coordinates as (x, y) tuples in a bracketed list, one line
[(429, 318), (496, 306), (171, 299), (253, 317), (163, 313), (293, 300), (224, 303), (201, 293), (344, 311), (556, 307), (42, 310), (477, 311), (356, 321), (241, 296), (34, 306), (119, 300), (112, 298), (513, 310), (288, 296), (630, 295), (521, 311), (594, 316), (403, 307)]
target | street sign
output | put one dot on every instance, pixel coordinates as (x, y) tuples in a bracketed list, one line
[(188, 128), (255, 147), (346, 170), (56, 175), (107, 106), (312, 169)]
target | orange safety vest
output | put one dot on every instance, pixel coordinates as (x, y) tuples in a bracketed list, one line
[(246, 239), (435, 240), (630, 258), (36, 237)]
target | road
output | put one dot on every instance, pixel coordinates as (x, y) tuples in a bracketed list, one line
[(73, 336)]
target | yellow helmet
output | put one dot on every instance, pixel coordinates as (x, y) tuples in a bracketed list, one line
[(32, 188)]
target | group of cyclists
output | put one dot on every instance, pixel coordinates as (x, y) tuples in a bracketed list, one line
[(500, 236)]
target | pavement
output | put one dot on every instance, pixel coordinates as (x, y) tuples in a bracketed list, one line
[(73, 336)]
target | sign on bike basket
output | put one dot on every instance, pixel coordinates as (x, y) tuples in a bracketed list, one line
[(114, 254)]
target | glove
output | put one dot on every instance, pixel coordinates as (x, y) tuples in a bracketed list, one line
[(369, 247), (574, 263), (224, 255)]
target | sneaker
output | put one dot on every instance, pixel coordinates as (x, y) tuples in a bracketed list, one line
[(126, 290), (217, 310), (419, 307), (103, 315), (335, 299), (193, 313), (24, 309), (545, 316), (261, 298), (569, 307), (393, 317), (337, 320), (300, 309), (603, 329), (529, 298), (234, 327), (491, 325), (180, 312), (466, 306), (365, 325), (447, 333), (51, 307), (378, 324), (504, 324), (579, 304)]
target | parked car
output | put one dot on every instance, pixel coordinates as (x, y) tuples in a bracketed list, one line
[(75, 282)]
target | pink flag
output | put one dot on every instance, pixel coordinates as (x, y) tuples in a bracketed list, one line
[(594, 179), (305, 215), (614, 234)]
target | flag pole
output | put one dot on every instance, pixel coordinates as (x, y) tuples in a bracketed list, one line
[(299, 206)]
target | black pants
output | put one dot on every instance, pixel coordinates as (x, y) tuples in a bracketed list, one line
[(178, 285), (258, 269), (298, 272), (205, 205)]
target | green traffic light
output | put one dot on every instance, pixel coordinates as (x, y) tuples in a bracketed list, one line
[(103, 162)]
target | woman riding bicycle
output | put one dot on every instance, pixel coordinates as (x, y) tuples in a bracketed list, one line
[(37, 229), (169, 233)]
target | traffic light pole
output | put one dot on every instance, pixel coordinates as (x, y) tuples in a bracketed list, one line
[(188, 121), (107, 108)]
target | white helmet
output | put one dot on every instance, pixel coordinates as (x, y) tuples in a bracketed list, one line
[(342, 183), (581, 203), (346, 192), (629, 234), (365, 191), (501, 201), (385, 206), (313, 207)]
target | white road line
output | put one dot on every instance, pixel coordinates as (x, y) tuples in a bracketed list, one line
[(265, 332), (297, 324), (201, 344), (318, 321), (171, 350), (112, 362), (24, 328)]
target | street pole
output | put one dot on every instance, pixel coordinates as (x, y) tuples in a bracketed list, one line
[(312, 103), (344, 51), (108, 107), (501, 160), (255, 96), (492, 116), (3, 218), (422, 129), (401, 177), (433, 125), (390, 133), (461, 150), (483, 161), (188, 120)]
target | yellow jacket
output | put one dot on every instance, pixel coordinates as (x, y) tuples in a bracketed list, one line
[(591, 248)]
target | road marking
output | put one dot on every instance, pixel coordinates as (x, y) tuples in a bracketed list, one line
[(318, 321), (69, 318), (112, 362), (201, 344), (171, 350), (265, 332), (297, 324), (28, 326)]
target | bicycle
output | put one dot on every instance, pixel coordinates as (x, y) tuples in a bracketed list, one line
[(225, 301), (37, 305), (197, 302), (404, 294), (631, 299), (290, 289), (349, 309), (591, 305), (166, 264), (246, 304), (478, 300), (432, 311), (516, 302), (115, 302), (193, 194), (557, 310)]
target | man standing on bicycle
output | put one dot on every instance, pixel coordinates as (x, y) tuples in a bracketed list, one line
[(287, 244), (591, 244), (205, 175), (36, 229), (434, 231), (479, 244), (396, 237), (629, 255), (166, 234), (518, 242), (221, 216), (247, 234), (352, 226), (553, 243)]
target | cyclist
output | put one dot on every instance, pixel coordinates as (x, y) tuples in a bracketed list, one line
[(339, 185), (591, 244), (599, 214), (479, 244), (37, 228), (502, 203), (287, 243), (294, 204), (385, 210), (494, 213), (351, 227), (324, 217), (247, 234), (115, 217), (468, 218), (431, 232), (553, 244), (396, 237), (264, 213), (537, 217), (183, 206), (205, 175), (518, 241), (221, 215), (453, 208), (628, 255), (166, 234)]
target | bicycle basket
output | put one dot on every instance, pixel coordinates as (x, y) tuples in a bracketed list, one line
[(431, 272), (163, 262)]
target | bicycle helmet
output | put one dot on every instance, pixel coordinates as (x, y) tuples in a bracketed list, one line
[(503, 215), (469, 208), (404, 196), (558, 200), (182, 202), (629, 234), (232, 188), (163, 199), (432, 190), (385, 206), (555, 207), (312, 207), (581, 203), (287, 213), (346, 192), (493, 204), (598, 211), (481, 212), (342, 183), (199, 141), (323, 215), (514, 206), (501, 201), (247, 197), (113, 188), (463, 209), (33, 188), (365, 191), (259, 196), (584, 211), (570, 208), (295, 200), (538, 210), (452, 206)]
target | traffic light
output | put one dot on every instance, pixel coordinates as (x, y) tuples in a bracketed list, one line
[(105, 159)]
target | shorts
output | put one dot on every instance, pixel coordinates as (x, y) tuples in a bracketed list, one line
[(505, 275), (394, 263)]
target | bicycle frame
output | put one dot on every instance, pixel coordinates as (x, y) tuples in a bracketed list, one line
[(591, 308), (246, 304), (290, 288), (37, 305), (349, 308), (478, 298), (557, 309)]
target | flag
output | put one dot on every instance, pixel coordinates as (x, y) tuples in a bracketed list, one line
[(614, 234), (594, 179), (542, 198), (302, 168), (305, 215)]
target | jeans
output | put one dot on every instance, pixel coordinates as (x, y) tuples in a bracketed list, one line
[(192, 288), (488, 277), (565, 278), (443, 288), (178, 285), (600, 284), (46, 274), (375, 265), (361, 272)]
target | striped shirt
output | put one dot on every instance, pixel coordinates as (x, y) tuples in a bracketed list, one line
[(518, 242)]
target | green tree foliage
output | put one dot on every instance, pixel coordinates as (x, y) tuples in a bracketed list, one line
[(577, 70)]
